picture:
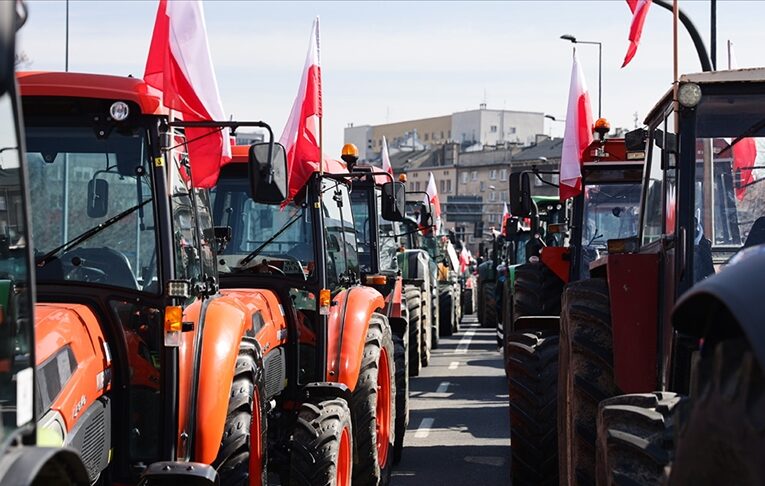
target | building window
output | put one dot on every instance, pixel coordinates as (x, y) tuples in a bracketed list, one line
[(446, 172), (464, 177), (442, 134), (433, 136), (482, 186), (494, 129), (503, 174), (426, 137), (443, 186), (492, 196), (493, 174), (448, 185), (511, 130), (474, 176), (503, 196), (450, 134)]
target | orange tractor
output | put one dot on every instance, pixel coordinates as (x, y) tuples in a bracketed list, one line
[(22, 461), (145, 367), (333, 365)]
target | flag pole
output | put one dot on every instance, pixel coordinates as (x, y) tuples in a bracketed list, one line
[(675, 75)]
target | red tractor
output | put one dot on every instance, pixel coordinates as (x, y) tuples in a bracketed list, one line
[(642, 386), (338, 346), (22, 460), (146, 368), (557, 252)]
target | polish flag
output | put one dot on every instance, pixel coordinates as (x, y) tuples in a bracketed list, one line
[(639, 9), (505, 217), (386, 158), (578, 134), (464, 258), (432, 192), (301, 136), (179, 65)]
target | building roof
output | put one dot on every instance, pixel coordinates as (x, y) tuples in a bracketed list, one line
[(550, 148)]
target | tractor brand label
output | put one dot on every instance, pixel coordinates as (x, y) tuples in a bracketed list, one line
[(78, 407)]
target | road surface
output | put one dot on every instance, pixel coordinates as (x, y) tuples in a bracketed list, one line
[(459, 427)]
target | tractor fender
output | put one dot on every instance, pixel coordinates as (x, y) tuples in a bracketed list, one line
[(393, 299), (69, 339), (558, 260), (735, 290), (228, 318), (347, 332), (38, 465)]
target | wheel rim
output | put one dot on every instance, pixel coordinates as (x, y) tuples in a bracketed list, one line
[(383, 408), (344, 459), (256, 445)]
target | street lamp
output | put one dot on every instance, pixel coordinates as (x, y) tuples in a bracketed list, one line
[(574, 40), (554, 119)]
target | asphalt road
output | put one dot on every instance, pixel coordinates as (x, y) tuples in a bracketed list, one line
[(459, 427)]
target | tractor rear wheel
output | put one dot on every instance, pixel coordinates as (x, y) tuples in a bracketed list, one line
[(586, 375), (426, 337), (537, 291), (322, 444), (446, 310), (242, 455), (489, 300), (373, 405), (720, 436), (634, 435), (414, 306), (435, 333), (532, 371), (401, 357)]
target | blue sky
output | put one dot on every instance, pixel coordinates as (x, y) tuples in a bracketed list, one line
[(390, 61)]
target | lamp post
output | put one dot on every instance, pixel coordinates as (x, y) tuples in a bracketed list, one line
[(574, 40)]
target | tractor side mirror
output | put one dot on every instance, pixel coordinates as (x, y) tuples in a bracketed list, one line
[(393, 201), (222, 235), (512, 227), (98, 198), (268, 176), (426, 218), (520, 194)]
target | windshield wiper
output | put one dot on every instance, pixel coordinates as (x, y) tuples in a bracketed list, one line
[(257, 250), (43, 260)]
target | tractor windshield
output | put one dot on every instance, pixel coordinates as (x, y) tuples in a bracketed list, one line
[(265, 238), (610, 212), (363, 223), (16, 367), (91, 204), (730, 169)]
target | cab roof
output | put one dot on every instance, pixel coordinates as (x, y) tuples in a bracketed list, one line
[(737, 76), (86, 85)]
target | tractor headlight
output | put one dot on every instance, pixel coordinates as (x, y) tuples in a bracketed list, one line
[(689, 94)]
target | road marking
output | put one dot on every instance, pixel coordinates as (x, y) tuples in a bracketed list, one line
[(462, 348), (442, 387), (423, 431), (453, 365)]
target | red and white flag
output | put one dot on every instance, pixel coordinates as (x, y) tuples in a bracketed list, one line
[(301, 136), (432, 192), (578, 134), (639, 9), (464, 258), (505, 217), (386, 158), (179, 64)]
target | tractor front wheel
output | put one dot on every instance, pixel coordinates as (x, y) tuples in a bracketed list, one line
[(489, 300), (414, 306), (373, 404), (242, 455), (402, 395), (446, 310), (322, 445), (720, 435), (586, 376)]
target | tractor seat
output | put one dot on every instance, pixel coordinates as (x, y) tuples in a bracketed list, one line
[(756, 234)]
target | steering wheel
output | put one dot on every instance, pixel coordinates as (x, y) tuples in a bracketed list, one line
[(82, 273)]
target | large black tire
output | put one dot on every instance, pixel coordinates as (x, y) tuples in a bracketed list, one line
[(585, 376), (480, 305), (634, 438), (489, 300), (414, 305), (468, 305), (401, 357), (246, 404), (537, 291), (426, 337), (532, 377), (316, 442), (446, 310), (368, 469), (435, 333), (457, 293), (720, 434), (504, 327)]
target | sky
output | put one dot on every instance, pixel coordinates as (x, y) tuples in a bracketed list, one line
[(393, 61)]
